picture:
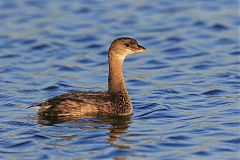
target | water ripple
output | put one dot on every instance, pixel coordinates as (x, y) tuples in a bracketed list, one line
[(39, 47), (214, 92), (219, 27)]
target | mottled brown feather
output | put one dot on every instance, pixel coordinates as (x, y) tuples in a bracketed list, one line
[(81, 103)]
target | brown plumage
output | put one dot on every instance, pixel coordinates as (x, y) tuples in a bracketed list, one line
[(114, 102)]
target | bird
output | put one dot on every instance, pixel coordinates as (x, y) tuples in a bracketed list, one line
[(115, 101)]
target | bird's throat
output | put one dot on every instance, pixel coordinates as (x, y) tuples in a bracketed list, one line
[(116, 83)]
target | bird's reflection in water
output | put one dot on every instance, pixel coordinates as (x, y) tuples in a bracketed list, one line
[(118, 125)]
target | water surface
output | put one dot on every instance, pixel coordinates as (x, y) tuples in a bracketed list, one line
[(185, 90)]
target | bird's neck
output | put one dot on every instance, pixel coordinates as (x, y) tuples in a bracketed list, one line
[(116, 83)]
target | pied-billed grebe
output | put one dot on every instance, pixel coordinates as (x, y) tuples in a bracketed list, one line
[(114, 102)]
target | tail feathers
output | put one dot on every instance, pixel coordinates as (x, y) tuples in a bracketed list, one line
[(39, 106), (35, 107)]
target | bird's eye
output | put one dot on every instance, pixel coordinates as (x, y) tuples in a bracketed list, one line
[(127, 45)]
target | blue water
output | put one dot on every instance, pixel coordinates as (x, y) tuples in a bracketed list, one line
[(185, 90)]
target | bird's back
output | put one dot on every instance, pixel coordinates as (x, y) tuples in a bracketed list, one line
[(77, 103)]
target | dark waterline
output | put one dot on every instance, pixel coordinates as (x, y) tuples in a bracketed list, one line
[(185, 91)]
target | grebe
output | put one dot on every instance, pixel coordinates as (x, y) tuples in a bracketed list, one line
[(114, 102)]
